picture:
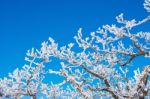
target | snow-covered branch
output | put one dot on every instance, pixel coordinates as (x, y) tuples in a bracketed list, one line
[(98, 70)]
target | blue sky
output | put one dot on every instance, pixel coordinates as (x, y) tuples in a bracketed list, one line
[(27, 23)]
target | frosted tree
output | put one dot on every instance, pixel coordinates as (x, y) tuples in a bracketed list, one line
[(24, 82), (98, 69)]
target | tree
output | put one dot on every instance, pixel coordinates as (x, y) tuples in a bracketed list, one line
[(24, 82), (98, 70)]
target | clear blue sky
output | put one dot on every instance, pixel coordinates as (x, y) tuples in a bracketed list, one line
[(27, 23)]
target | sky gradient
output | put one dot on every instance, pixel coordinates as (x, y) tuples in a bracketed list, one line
[(27, 23)]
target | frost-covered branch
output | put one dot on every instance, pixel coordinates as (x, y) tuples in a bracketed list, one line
[(99, 69)]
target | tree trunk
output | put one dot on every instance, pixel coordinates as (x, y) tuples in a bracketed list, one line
[(33, 96), (17, 97)]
